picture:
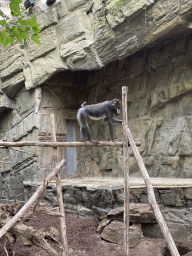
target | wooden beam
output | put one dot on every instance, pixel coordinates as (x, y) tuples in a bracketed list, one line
[(59, 191), (62, 144), (126, 170)]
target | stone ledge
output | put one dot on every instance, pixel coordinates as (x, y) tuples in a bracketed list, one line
[(6, 103), (99, 196), (103, 195), (134, 182), (118, 183)]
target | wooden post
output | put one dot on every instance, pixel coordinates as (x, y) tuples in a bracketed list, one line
[(62, 144), (126, 171), (33, 199), (151, 197), (59, 191)]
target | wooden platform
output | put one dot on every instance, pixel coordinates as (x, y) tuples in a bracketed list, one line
[(119, 182)]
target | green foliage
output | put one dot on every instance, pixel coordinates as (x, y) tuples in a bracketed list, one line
[(115, 3), (114, 9), (15, 8), (17, 28)]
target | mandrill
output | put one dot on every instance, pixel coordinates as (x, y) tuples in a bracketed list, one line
[(104, 110)]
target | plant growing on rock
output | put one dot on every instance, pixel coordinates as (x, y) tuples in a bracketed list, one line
[(115, 3), (114, 8)]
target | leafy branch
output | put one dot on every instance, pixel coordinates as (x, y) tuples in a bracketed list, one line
[(17, 28)]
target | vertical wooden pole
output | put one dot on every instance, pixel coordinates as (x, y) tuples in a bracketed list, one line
[(59, 191), (151, 197), (126, 170)]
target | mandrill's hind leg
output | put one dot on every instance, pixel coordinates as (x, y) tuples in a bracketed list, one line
[(82, 134), (87, 131)]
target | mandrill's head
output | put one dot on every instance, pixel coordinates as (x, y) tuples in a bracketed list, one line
[(116, 106)]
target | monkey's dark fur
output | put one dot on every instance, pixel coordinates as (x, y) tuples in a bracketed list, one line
[(104, 110)]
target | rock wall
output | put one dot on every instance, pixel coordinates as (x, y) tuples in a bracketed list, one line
[(18, 164), (87, 35), (89, 199), (159, 106), (28, 119)]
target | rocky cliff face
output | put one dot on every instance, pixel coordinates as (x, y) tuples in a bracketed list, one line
[(159, 106), (167, 100), (87, 35), (89, 51)]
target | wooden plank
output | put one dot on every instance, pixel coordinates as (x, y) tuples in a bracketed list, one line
[(62, 144), (126, 171)]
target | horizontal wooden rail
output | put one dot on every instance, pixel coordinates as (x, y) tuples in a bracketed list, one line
[(63, 144)]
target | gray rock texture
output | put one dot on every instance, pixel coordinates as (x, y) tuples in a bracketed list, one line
[(141, 213), (114, 233), (87, 35), (101, 200)]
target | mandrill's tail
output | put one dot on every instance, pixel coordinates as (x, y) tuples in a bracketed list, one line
[(82, 105)]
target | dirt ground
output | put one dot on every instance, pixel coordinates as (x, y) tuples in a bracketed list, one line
[(84, 240)]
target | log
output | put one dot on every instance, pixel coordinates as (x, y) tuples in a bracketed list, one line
[(31, 236), (59, 191), (34, 197), (151, 198), (63, 144), (126, 171)]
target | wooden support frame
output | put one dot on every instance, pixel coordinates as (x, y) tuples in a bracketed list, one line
[(126, 171), (128, 140), (151, 198), (32, 200), (59, 190), (151, 195)]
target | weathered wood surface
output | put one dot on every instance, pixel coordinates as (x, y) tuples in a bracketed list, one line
[(119, 182), (59, 191), (126, 170), (29, 236), (63, 144), (151, 198), (33, 199)]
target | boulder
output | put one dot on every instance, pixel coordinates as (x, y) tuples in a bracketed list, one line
[(102, 225), (179, 231), (114, 232), (141, 213)]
